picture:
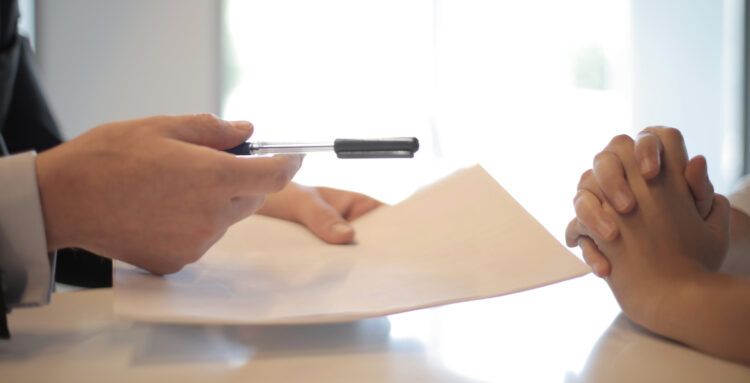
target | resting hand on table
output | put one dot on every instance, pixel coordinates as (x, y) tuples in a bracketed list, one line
[(325, 211), (662, 260), (610, 185), (664, 239)]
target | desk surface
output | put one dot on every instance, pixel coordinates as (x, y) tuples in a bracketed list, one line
[(568, 332)]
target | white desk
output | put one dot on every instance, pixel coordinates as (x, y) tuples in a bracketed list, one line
[(569, 332)]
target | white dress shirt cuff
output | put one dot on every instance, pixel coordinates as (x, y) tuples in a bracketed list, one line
[(28, 270)]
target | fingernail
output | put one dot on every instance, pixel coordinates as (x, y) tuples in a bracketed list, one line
[(622, 201), (606, 229), (341, 228), (647, 165)]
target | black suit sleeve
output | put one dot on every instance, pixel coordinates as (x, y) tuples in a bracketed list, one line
[(29, 124), (4, 333), (26, 122)]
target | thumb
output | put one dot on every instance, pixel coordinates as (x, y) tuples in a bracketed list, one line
[(208, 130), (718, 219), (325, 222), (696, 175)]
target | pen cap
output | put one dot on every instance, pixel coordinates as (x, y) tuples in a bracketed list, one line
[(400, 147)]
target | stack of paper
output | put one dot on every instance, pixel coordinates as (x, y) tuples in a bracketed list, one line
[(460, 239)]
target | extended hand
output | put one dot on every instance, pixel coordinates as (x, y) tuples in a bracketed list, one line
[(325, 211)]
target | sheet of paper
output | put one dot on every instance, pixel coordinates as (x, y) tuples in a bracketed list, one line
[(459, 239)]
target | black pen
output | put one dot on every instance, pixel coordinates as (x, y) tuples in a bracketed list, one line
[(401, 147)]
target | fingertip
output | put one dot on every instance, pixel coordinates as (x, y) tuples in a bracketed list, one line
[(624, 202), (721, 207), (595, 269), (696, 176), (573, 233), (601, 269), (594, 258), (700, 159), (341, 233), (244, 127), (648, 150), (589, 212)]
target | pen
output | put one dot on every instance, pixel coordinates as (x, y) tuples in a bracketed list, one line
[(400, 147)]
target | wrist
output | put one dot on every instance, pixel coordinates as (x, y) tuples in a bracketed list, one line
[(679, 304), (52, 200)]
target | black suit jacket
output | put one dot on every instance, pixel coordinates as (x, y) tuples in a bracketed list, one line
[(26, 123)]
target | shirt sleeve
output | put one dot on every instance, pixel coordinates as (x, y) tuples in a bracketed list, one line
[(27, 269), (740, 197)]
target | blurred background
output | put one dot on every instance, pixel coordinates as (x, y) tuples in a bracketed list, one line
[(531, 89)]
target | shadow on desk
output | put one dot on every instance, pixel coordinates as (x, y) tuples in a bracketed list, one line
[(197, 343)]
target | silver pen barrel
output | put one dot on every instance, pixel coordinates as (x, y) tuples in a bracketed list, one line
[(258, 148)]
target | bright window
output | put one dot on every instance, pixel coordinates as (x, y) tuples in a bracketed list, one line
[(530, 89)]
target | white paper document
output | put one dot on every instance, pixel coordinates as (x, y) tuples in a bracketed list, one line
[(459, 239)]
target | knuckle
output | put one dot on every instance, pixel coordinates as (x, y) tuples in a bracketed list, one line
[(603, 157), (585, 177), (653, 129), (621, 140), (209, 121), (646, 142), (672, 133), (672, 137), (586, 207), (279, 179), (220, 175), (579, 199), (656, 130), (213, 177)]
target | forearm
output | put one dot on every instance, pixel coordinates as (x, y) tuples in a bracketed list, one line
[(711, 314), (737, 261)]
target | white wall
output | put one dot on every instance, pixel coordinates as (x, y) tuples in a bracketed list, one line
[(687, 71), (107, 60)]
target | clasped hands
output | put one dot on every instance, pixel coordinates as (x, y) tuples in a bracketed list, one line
[(648, 220)]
